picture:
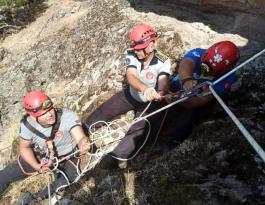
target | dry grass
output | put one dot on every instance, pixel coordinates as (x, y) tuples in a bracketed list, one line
[(31, 184)]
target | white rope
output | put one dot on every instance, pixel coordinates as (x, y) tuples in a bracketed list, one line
[(159, 130), (136, 120), (161, 109), (246, 134), (215, 82), (105, 132), (144, 111), (101, 133), (66, 179), (112, 133), (244, 131), (49, 189), (139, 149), (184, 96)]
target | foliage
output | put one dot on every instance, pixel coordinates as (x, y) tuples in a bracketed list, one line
[(13, 3)]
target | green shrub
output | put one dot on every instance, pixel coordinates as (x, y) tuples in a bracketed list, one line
[(13, 3)]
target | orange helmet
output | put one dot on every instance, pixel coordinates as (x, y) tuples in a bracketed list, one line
[(36, 103), (142, 35), (220, 57)]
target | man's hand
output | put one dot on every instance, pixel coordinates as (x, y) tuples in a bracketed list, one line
[(188, 84), (43, 166), (171, 97), (150, 94), (81, 139), (84, 146)]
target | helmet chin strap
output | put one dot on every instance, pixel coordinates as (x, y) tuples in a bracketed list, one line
[(146, 54)]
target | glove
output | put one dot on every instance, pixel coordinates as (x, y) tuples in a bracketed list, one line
[(151, 94)]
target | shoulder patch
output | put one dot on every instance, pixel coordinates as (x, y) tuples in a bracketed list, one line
[(162, 57), (127, 61)]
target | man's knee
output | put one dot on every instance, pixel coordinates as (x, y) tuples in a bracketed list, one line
[(7, 176), (5, 181), (3, 187)]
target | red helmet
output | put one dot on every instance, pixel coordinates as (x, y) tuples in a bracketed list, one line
[(36, 103), (221, 56), (141, 35)]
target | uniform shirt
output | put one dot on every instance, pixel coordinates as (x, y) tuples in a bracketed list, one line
[(195, 54), (159, 65), (63, 141)]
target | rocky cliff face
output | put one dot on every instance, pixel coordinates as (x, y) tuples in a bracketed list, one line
[(251, 6), (74, 51)]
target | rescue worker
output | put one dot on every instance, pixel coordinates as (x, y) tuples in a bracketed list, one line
[(197, 66), (147, 73), (45, 132)]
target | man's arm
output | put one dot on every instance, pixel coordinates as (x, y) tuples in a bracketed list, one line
[(185, 71), (81, 139), (26, 152), (134, 80), (163, 84)]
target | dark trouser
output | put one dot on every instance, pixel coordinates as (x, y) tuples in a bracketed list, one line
[(13, 173), (121, 103), (182, 122)]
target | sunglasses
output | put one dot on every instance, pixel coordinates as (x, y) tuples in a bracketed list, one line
[(44, 106), (135, 43)]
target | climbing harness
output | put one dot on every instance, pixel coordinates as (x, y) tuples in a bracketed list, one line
[(51, 152)]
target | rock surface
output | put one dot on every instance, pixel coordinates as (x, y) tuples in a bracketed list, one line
[(74, 51)]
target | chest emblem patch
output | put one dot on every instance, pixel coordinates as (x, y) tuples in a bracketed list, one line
[(149, 75)]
